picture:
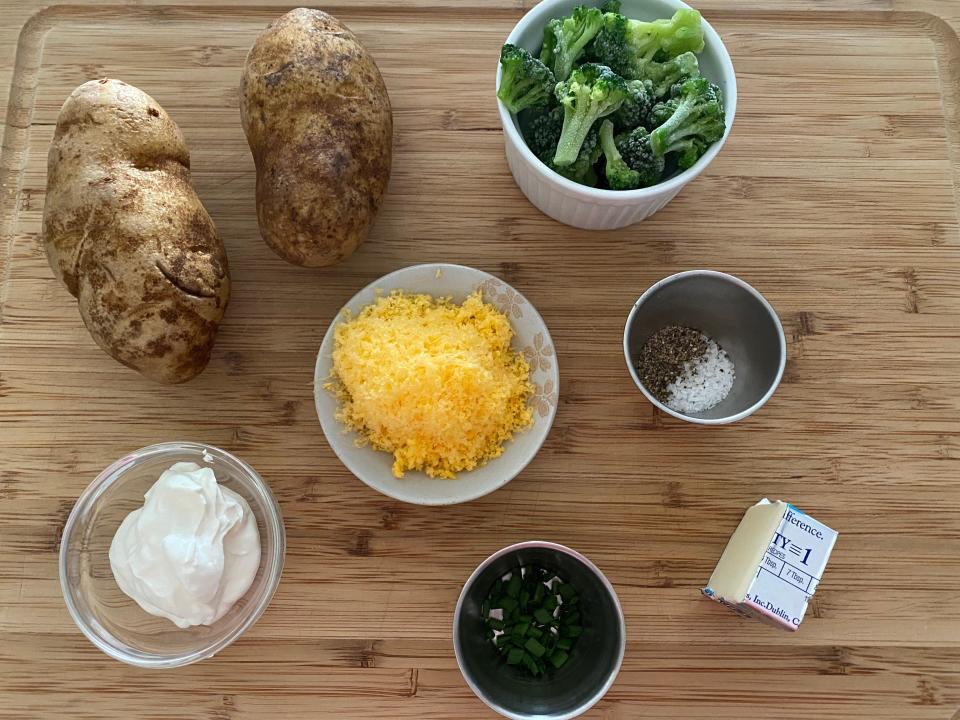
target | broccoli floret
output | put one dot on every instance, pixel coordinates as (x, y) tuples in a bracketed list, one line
[(670, 38), (591, 92), (580, 173), (564, 39), (610, 6), (630, 163), (620, 176), (635, 109), (663, 76), (591, 150), (694, 112), (662, 111), (688, 151), (525, 81), (543, 132), (610, 46), (626, 45)]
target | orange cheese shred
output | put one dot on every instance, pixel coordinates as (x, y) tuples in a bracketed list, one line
[(430, 381)]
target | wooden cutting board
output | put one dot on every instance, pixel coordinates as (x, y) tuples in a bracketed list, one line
[(835, 196)]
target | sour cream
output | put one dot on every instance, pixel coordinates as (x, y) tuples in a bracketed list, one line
[(191, 551)]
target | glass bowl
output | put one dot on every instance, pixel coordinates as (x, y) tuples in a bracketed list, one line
[(114, 622)]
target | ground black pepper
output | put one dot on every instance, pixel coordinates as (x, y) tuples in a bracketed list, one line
[(664, 354)]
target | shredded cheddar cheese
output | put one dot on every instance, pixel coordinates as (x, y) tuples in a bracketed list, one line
[(435, 383)]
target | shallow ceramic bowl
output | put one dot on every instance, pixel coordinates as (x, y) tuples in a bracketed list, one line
[(531, 337)]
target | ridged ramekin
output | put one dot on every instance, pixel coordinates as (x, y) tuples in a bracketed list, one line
[(592, 208)]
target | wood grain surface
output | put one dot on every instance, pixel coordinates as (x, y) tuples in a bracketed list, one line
[(836, 196)]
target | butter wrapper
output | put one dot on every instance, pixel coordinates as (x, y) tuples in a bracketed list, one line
[(772, 564)]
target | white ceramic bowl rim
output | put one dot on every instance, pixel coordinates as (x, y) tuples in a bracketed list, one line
[(540, 14), (351, 465), (89, 497), (756, 294), (606, 584)]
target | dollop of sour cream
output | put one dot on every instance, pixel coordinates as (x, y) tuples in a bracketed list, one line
[(191, 551)]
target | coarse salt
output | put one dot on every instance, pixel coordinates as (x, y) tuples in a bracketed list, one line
[(705, 382)]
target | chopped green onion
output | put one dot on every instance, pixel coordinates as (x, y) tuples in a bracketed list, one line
[(531, 665), (558, 658), (530, 632), (534, 647), (544, 617)]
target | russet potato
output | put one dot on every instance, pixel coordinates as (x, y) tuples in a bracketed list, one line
[(317, 117), (126, 233)]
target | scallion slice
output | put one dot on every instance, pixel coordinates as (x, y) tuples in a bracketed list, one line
[(527, 628)]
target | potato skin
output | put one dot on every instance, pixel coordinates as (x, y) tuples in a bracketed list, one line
[(126, 233), (317, 117)]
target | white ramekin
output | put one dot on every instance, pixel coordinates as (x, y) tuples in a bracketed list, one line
[(592, 208)]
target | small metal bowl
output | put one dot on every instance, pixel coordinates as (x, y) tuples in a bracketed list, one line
[(731, 312), (594, 661)]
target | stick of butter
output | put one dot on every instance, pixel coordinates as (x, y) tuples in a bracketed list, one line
[(772, 564)]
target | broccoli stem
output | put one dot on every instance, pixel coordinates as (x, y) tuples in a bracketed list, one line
[(576, 125), (620, 176), (607, 142)]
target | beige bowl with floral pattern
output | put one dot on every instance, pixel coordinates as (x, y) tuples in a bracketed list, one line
[(531, 337)]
